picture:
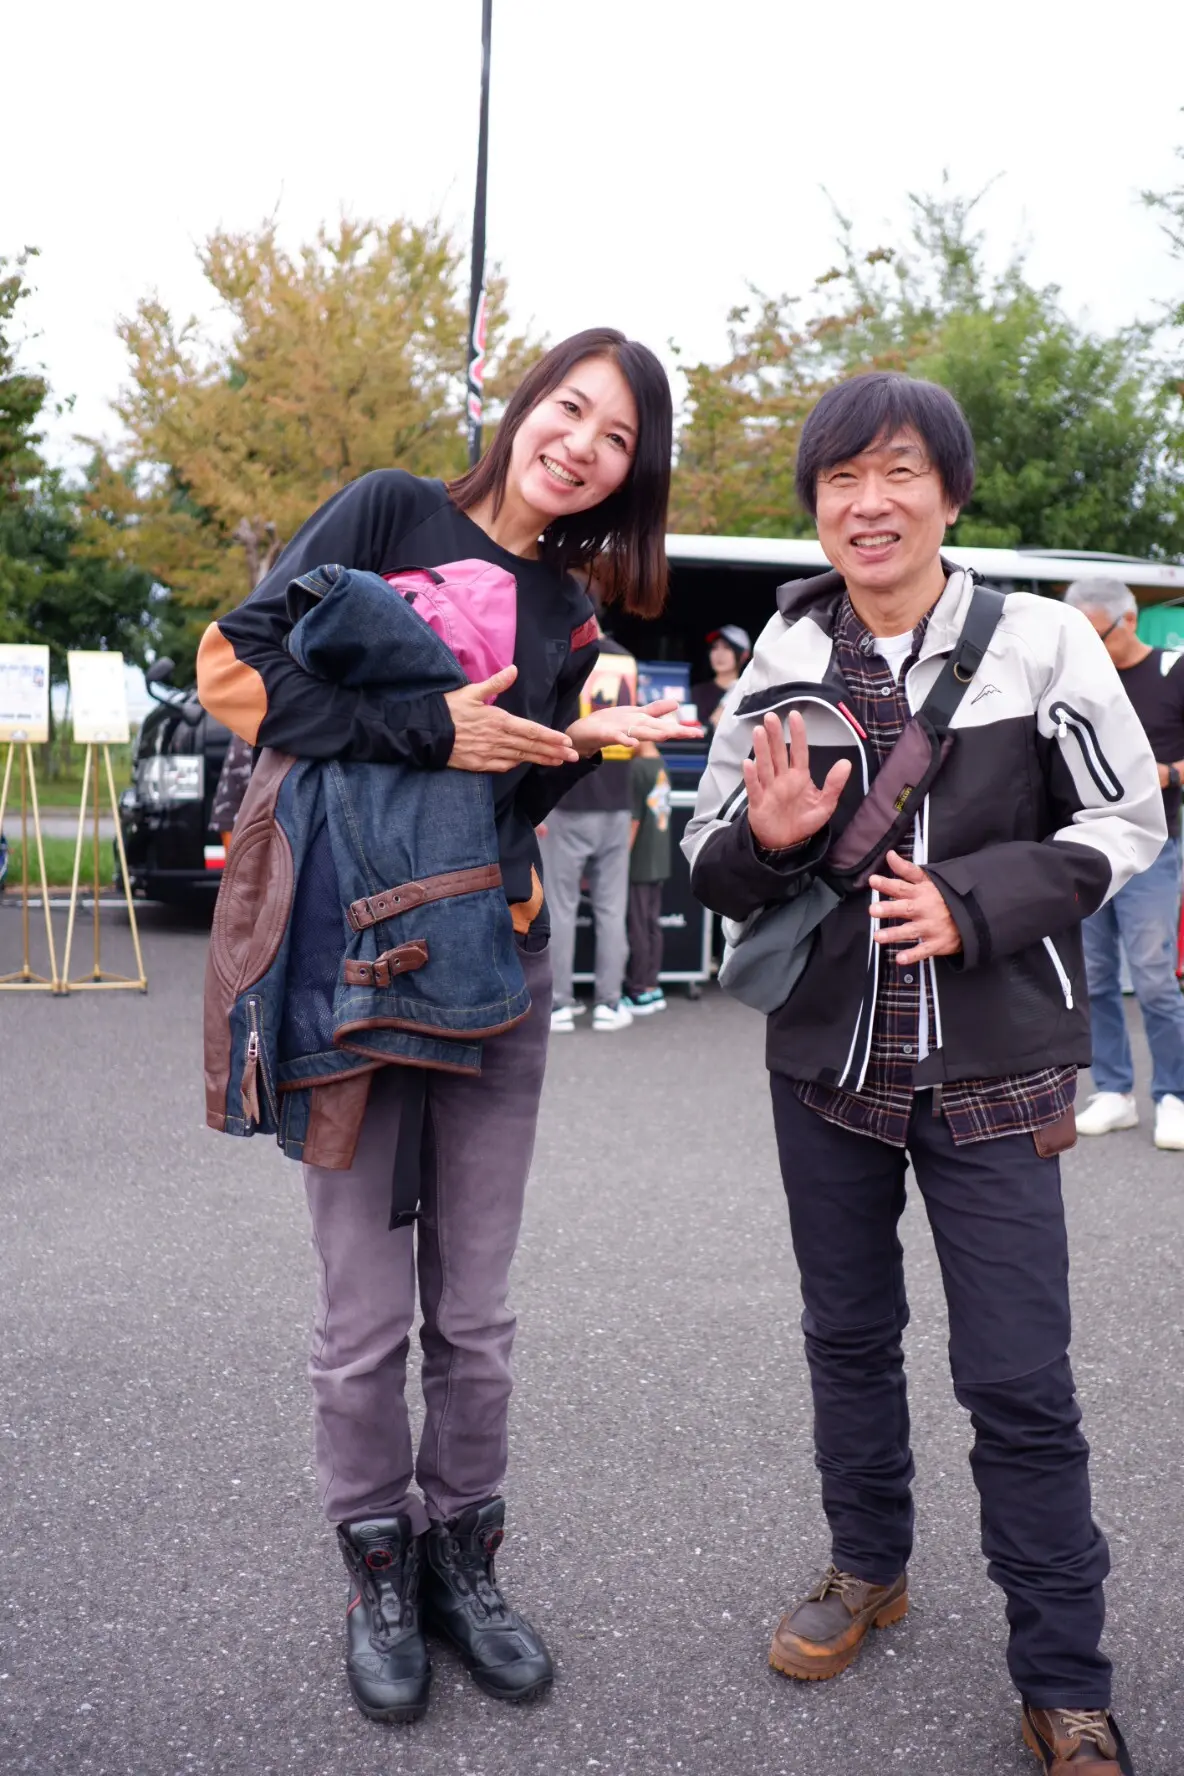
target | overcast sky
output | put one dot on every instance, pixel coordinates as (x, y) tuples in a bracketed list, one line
[(648, 159)]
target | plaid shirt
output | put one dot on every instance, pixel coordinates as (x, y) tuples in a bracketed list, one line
[(976, 1109)]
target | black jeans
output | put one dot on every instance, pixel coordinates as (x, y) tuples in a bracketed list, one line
[(999, 1228), (645, 937)]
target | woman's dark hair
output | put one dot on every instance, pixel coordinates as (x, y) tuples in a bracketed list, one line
[(623, 539), (869, 410)]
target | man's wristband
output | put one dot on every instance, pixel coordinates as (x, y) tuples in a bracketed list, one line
[(1173, 777)]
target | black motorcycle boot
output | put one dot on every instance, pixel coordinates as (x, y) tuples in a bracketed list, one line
[(463, 1603), (386, 1661)]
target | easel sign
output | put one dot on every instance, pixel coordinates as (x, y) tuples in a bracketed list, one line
[(24, 723), (98, 700), (24, 692)]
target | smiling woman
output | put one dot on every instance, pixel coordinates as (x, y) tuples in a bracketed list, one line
[(578, 474), (585, 443)]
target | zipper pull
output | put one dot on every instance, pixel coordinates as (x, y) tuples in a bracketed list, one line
[(249, 1086)]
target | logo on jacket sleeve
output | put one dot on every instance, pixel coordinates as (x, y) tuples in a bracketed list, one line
[(584, 636)]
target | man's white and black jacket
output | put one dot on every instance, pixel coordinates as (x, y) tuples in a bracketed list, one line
[(1048, 802)]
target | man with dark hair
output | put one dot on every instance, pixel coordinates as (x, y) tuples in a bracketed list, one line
[(940, 1015)]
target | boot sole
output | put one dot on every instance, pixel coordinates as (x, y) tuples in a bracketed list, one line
[(816, 1670), (535, 1693), (390, 1717)]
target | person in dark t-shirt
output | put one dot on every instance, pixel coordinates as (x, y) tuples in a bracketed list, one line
[(1143, 918), (649, 870), (731, 649), (587, 837)]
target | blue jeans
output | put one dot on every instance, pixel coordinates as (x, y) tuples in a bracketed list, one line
[(1144, 916)]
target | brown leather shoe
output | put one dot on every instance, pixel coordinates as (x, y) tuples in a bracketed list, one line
[(1076, 1741), (821, 1636)]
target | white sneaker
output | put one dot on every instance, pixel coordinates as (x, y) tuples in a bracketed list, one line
[(562, 1019), (612, 1017), (1107, 1111), (1169, 1124)]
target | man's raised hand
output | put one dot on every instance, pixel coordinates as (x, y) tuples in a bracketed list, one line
[(785, 805)]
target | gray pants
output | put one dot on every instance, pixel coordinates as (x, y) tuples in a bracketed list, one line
[(595, 845), (478, 1143)]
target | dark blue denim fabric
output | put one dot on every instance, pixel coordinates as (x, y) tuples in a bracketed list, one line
[(352, 830), (998, 1224)]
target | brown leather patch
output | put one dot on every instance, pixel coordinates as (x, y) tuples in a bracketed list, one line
[(523, 913), (374, 908), (384, 968), (335, 1121), (1058, 1137), (250, 915)]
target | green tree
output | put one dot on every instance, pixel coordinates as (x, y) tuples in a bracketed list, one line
[(53, 590), (344, 356), (1078, 435), (1169, 206), (23, 393)]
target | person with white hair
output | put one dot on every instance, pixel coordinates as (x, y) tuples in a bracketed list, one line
[(1143, 917)]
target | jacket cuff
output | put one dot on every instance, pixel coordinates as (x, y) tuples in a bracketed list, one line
[(776, 874), (967, 916), (421, 730)]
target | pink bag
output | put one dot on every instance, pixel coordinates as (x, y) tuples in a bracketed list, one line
[(471, 605)]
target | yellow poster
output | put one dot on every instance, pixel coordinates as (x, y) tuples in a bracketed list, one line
[(611, 684)]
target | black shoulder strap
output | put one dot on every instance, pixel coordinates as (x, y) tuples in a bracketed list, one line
[(982, 620)]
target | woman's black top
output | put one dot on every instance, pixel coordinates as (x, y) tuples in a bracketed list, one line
[(385, 521)]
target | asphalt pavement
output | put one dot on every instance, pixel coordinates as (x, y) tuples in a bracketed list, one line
[(172, 1602)]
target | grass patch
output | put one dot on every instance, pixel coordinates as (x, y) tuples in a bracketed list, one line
[(59, 776), (59, 864)]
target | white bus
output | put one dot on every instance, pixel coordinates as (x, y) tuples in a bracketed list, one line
[(719, 579)]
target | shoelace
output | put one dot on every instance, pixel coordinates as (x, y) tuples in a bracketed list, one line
[(1089, 1724), (846, 1584)]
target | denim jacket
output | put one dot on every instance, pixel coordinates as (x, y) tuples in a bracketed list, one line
[(361, 918)]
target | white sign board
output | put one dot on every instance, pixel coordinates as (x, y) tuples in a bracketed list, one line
[(24, 692), (98, 698)]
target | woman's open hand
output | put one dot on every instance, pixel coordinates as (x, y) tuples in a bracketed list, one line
[(628, 725), (491, 739)]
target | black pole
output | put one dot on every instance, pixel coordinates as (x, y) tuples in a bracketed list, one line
[(476, 365)]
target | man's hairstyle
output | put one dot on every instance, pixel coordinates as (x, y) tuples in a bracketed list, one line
[(1112, 597), (872, 408), (625, 535)]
